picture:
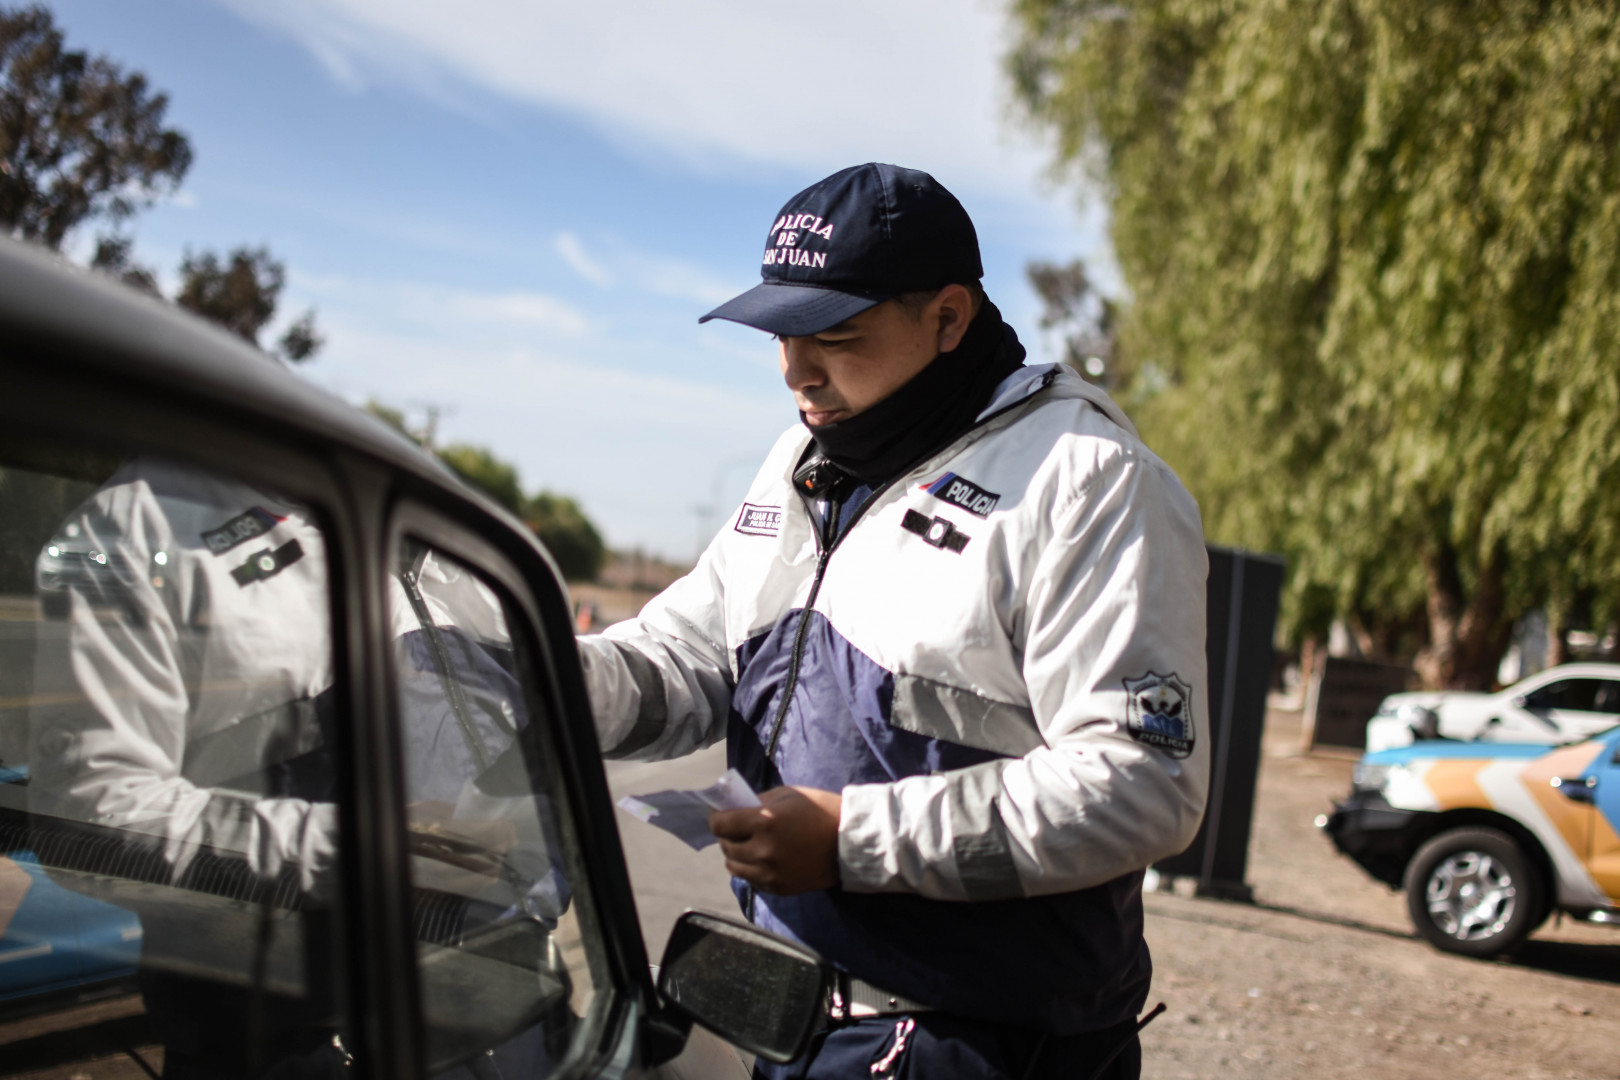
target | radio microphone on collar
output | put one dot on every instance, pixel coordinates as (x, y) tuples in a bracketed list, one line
[(819, 478)]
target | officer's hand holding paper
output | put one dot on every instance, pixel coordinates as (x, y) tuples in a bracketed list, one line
[(685, 814)]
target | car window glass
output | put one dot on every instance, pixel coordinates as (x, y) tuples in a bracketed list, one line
[(168, 815), (1576, 694), (507, 965), (1608, 696)]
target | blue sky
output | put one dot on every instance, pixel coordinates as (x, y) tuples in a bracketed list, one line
[(515, 210)]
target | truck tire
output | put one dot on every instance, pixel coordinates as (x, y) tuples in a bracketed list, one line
[(1474, 891)]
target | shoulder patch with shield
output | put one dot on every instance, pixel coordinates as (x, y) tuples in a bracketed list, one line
[(1158, 711)]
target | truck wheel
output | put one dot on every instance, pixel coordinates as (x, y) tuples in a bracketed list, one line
[(1473, 891)]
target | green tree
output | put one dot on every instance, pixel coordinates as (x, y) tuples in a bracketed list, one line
[(557, 520), (486, 472), (1371, 252), (568, 534), (82, 140), (79, 138), (1082, 317), (240, 292), (115, 257)]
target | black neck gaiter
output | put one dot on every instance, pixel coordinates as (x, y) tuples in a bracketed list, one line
[(938, 404)]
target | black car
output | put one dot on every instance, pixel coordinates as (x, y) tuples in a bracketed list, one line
[(302, 715)]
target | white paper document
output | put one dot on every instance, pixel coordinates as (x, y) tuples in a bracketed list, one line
[(685, 814)]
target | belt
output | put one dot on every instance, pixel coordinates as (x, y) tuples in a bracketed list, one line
[(852, 998)]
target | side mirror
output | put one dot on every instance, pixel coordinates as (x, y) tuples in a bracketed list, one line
[(1424, 722), (759, 991)]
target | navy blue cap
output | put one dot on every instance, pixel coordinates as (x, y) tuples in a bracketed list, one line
[(862, 236)]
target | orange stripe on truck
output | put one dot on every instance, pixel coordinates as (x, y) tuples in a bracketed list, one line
[(1573, 820), (1455, 784), (1605, 858)]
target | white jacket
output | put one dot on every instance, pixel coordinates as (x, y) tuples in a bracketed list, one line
[(1083, 575)]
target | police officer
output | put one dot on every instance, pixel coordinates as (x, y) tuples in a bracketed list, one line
[(954, 636)]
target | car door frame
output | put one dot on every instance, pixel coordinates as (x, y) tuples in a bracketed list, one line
[(133, 386), (528, 581)]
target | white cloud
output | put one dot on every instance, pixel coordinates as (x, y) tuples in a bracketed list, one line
[(913, 81), (518, 309), (682, 281), (334, 57), (460, 313), (573, 253), (660, 275)]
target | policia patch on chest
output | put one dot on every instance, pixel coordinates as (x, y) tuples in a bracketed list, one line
[(238, 530), (964, 493)]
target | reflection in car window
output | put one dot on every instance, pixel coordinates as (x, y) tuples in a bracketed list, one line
[(1582, 695), (168, 806), (506, 966)]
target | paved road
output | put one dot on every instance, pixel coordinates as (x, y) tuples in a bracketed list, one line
[(668, 876)]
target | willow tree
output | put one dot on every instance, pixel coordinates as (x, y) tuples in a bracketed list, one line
[(1373, 256)]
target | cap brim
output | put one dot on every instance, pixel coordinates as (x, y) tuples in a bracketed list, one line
[(792, 310)]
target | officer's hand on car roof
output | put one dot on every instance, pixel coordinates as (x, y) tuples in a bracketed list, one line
[(786, 845)]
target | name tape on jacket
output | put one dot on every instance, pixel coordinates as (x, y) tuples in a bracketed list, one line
[(759, 520)]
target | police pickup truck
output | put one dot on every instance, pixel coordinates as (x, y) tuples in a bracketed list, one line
[(1488, 839)]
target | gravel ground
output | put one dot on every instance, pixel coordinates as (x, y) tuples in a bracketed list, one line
[(1323, 977)]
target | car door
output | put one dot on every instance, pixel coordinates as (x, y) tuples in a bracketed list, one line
[(199, 732), (1603, 858)]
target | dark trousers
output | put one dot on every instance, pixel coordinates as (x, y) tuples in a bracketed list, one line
[(936, 1046)]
